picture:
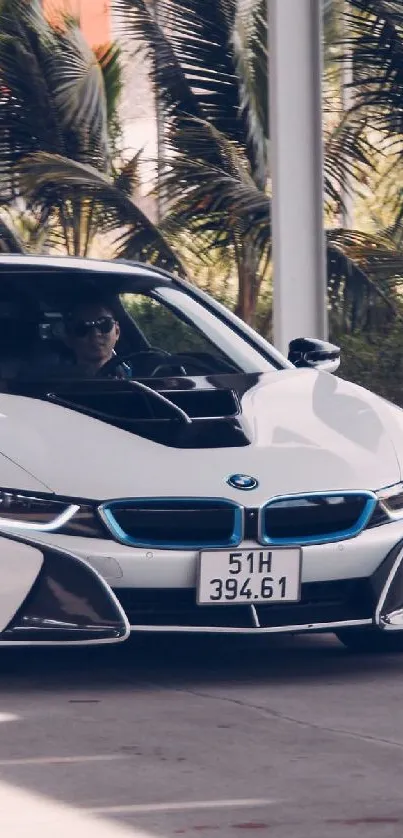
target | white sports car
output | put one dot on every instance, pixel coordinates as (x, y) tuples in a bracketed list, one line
[(216, 486)]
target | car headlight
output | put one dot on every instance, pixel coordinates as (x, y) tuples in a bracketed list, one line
[(391, 501), (24, 511)]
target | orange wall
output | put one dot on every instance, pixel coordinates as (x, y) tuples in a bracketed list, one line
[(94, 16)]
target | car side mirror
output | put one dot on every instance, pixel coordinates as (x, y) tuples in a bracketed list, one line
[(316, 354)]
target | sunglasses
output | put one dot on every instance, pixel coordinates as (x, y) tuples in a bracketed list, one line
[(82, 328)]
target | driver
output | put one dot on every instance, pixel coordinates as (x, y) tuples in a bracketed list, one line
[(91, 333)]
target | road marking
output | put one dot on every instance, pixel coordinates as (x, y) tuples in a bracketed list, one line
[(23, 813), (8, 717), (137, 808), (56, 760)]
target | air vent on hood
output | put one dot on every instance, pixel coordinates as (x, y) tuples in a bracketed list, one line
[(134, 405), (205, 404), (177, 412)]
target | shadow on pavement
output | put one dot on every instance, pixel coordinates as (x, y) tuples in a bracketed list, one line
[(180, 660)]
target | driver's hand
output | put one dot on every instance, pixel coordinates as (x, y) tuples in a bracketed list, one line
[(121, 372)]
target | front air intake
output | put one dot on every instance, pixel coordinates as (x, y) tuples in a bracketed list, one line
[(192, 523), (316, 518)]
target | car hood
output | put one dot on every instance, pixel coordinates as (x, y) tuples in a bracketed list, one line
[(310, 431)]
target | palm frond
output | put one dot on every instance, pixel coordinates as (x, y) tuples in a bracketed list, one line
[(127, 176), (52, 95), (208, 199), (76, 84), (364, 275), (395, 230), (168, 78), (251, 61), (194, 70), (27, 116), (10, 242), (55, 182), (348, 158), (375, 34), (377, 255), (109, 60)]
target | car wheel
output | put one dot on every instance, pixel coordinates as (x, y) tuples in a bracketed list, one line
[(371, 640)]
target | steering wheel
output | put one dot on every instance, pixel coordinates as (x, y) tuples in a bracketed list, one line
[(179, 360), (110, 367)]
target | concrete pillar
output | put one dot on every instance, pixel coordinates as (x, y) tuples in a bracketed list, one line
[(296, 160)]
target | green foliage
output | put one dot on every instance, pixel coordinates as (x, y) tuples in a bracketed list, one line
[(109, 60), (52, 92), (93, 199), (209, 66), (375, 29), (374, 361), (58, 131), (162, 328)]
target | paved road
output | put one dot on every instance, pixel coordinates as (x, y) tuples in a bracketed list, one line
[(233, 737)]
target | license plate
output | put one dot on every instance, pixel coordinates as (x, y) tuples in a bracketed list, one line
[(249, 576)]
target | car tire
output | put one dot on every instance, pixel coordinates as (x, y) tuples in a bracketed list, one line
[(371, 640)]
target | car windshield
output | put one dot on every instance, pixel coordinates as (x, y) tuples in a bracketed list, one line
[(161, 330), (178, 327)]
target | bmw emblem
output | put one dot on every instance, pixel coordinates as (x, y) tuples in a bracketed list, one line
[(242, 481)]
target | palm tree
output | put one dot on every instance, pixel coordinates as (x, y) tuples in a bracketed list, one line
[(209, 65), (58, 119)]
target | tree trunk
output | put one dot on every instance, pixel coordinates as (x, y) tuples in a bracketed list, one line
[(248, 281)]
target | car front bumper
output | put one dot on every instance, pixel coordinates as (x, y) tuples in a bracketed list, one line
[(52, 597), (351, 583)]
